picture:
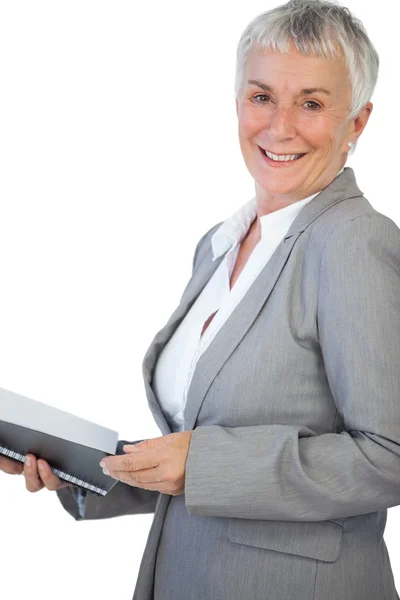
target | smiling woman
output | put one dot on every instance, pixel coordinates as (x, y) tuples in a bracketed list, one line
[(275, 383)]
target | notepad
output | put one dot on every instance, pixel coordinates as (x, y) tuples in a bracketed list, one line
[(72, 446)]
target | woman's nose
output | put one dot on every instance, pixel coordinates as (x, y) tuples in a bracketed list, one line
[(281, 123)]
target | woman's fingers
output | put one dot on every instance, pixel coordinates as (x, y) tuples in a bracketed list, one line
[(10, 466), (33, 482), (38, 473), (50, 481)]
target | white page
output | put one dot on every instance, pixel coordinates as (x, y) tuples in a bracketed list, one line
[(32, 414)]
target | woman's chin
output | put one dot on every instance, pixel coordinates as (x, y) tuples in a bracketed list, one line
[(278, 188)]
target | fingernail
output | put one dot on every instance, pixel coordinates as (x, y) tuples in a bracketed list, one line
[(28, 461), (102, 463), (106, 471), (40, 465)]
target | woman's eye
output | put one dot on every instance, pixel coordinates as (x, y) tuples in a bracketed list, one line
[(314, 105), (260, 96)]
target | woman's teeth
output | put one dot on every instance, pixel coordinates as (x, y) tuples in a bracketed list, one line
[(283, 157)]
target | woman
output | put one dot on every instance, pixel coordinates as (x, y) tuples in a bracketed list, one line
[(280, 451)]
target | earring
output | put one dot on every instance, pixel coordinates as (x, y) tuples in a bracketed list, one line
[(350, 145)]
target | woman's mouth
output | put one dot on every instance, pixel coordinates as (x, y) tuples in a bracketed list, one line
[(283, 160)]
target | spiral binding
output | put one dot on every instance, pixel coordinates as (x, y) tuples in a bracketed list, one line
[(61, 474)]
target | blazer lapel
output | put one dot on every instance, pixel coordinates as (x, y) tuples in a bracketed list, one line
[(236, 326), (233, 330)]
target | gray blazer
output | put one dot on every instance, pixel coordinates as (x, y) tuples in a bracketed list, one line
[(295, 407)]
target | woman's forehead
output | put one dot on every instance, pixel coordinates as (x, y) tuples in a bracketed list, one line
[(295, 70)]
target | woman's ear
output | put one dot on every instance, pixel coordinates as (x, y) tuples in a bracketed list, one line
[(357, 125), (361, 120)]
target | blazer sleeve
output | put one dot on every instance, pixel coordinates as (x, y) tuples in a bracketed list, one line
[(122, 499), (288, 472)]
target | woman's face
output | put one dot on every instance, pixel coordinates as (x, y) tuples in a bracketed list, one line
[(293, 104)]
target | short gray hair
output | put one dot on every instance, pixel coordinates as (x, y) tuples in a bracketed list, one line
[(317, 28)]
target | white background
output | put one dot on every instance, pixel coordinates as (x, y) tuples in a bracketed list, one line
[(118, 151)]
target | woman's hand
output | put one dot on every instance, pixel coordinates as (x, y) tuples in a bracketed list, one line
[(36, 478), (12, 467), (157, 464)]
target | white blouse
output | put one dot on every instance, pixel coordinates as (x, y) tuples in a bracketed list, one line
[(176, 364)]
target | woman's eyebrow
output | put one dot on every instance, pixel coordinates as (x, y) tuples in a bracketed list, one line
[(304, 92)]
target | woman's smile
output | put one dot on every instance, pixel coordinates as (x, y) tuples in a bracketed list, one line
[(279, 163)]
